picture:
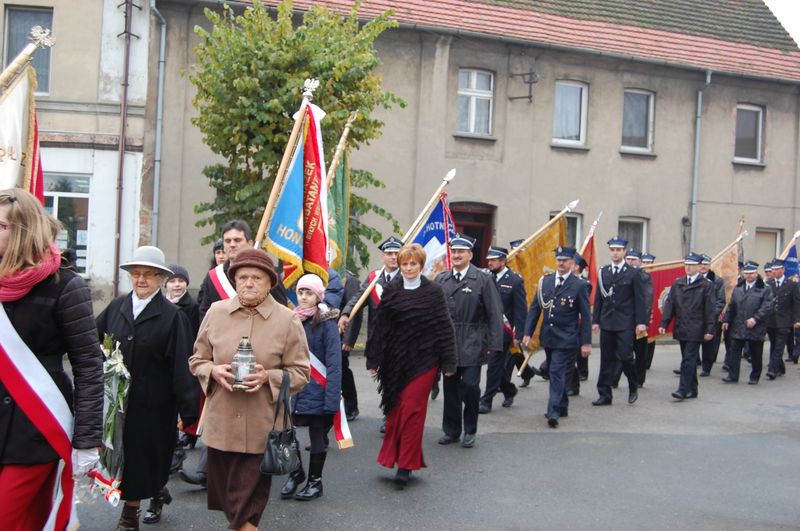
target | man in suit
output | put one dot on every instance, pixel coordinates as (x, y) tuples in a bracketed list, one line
[(562, 301), (634, 259), (579, 371), (709, 350), (648, 259), (512, 296), (477, 313), (785, 317), (691, 302), (619, 314)]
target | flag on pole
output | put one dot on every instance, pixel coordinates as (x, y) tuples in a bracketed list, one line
[(589, 253), (726, 267), (20, 159), (537, 260), (298, 231), (663, 276), (339, 212), (791, 262), (435, 238)]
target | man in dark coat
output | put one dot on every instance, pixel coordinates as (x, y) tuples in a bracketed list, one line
[(691, 303), (745, 321), (785, 314), (709, 350), (563, 302), (474, 304), (349, 393), (648, 259), (619, 314), (580, 370), (634, 259), (512, 296)]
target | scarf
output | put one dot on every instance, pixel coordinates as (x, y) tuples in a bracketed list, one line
[(16, 285), (305, 313)]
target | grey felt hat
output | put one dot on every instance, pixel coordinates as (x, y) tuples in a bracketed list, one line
[(147, 256)]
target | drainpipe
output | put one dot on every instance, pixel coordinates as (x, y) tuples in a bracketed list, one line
[(123, 128), (162, 52), (698, 124)]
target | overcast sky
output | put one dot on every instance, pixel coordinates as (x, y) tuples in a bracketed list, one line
[(788, 12)]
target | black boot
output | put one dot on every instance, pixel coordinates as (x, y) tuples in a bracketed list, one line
[(402, 477), (294, 481), (129, 519), (153, 514), (313, 488)]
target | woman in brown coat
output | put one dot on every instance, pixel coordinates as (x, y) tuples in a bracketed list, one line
[(236, 423)]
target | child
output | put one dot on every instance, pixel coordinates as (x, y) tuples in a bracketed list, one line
[(316, 405)]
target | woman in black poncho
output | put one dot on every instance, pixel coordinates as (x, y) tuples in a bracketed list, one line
[(411, 340)]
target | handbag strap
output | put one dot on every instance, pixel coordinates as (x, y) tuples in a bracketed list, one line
[(283, 400)]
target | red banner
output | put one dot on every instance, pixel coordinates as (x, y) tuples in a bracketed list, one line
[(315, 201), (589, 254), (663, 276)]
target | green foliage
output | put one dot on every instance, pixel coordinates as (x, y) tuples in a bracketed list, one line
[(359, 231), (249, 78)]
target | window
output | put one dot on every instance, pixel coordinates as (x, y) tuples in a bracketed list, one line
[(749, 134), (574, 226), (768, 245), (66, 196), (637, 120), (635, 231), (475, 94), (19, 22), (569, 113)]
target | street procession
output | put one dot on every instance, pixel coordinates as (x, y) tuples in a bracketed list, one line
[(435, 264)]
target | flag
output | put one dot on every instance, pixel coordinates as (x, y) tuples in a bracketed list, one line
[(791, 262), (20, 159), (435, 238), (726, 267), (589, 253), (339, 215), (297, 233), (663, 276), (537, 260)]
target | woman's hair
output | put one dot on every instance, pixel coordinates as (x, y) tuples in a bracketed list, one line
[(413, 251), (31, 231)]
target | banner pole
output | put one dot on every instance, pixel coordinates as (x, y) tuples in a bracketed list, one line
[(337, 155), (785, 251), (530, 239), (591, 233)]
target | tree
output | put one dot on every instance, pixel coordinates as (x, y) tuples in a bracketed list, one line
[(249, 77)]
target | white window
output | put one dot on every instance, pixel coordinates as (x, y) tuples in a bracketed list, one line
[(66, 196), (574, 227), (569, 113), (749, 134), (768, 244), (19, 22), (637, 120), (475, 95), (634, 230)]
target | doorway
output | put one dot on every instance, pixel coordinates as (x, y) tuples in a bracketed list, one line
[(477, 221)]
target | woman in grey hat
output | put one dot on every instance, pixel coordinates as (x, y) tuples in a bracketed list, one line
[(155, 339)]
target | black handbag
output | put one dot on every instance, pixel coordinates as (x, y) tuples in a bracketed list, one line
[(282, 455)]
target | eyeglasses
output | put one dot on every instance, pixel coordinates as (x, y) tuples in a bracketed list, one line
[(147, 275)]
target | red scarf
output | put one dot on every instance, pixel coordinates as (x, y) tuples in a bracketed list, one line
[(15, 286), (305, 313)]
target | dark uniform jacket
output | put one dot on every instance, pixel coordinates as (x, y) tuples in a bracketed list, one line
[(477, 314), (208, 294), (647, 290), (512, 296), (619, 303), (370, 304), (55, 318), (719, 293), (692, 306), (351, 288), (754, 303), (786, 304), (566, 322)]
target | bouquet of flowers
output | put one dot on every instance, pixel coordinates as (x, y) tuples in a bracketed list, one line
[(116, 381)]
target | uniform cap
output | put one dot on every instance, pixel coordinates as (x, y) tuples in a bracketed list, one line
[(616, 241), (391, 245), (632, 253), (778, 263), (462, 241), (649, 258), (580, 260), (705, 259), (751, 267), (496, 252), (565, 253), (692, 259)]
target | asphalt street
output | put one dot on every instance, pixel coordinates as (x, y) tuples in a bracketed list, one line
[(728, 460)]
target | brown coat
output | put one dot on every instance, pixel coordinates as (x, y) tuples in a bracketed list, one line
[(238, 421)]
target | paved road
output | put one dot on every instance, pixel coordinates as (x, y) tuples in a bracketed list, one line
[(726, 461)]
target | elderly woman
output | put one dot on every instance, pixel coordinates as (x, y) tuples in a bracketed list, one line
[(413, 338), (49, 308), (236, 423), (155, 340)]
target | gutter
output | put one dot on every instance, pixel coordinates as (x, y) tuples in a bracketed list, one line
[(162, 51), (698, 124)]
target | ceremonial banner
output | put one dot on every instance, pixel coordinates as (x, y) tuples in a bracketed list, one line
[(537, 260), (20, 160), (791, 262), (726, 267), (339, 215), (298, 230), (663, 276), (435, 238)]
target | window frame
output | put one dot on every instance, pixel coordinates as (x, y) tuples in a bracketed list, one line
[(56, 195), (23, 8), (474, 94), (651, 112), (578, 217), (636, 219), (584, 117), (761, 110), (778, 237)]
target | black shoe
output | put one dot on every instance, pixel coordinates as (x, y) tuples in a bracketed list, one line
[(508, 402), (602, 401), (178, 457), (753, 381), (448, 439), (196, 478), (705, 373), (292, 482), (728, 379), (690, 395), (153, 514), (484, 408), (313, 488), (677, 395), (583, 377), (633, 396), (434, 391), (353, 415), (469, 440), (525, 382), (725, 368), (402, 477), (552, 422), (573, 392), (676, 371), (770, 376)]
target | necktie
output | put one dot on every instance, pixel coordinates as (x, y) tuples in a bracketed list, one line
[(387, 278), (458, 277), (616, 269), (559, 281)]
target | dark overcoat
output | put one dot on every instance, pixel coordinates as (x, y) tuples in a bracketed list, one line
[(692, 306), (515, 305), (566, 322), (156, 348), (754, 303), (785, 304), (719, 293), (192, 311), (351, 288), (620, 300)]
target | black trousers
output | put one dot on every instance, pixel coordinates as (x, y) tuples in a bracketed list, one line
[(651, 349), (498, 377), (640, 359), (756, 349), (778, 337), (615, 347), (583, 367), (349, 393), (574, 371), (710, 348), (462, 393), (517, 359), (688, 381), (560, 360)]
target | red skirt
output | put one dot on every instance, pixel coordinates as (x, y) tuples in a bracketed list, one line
[(26, 495), (402, 442)]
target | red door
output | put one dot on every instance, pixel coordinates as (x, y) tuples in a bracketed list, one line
[(475, 220)]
